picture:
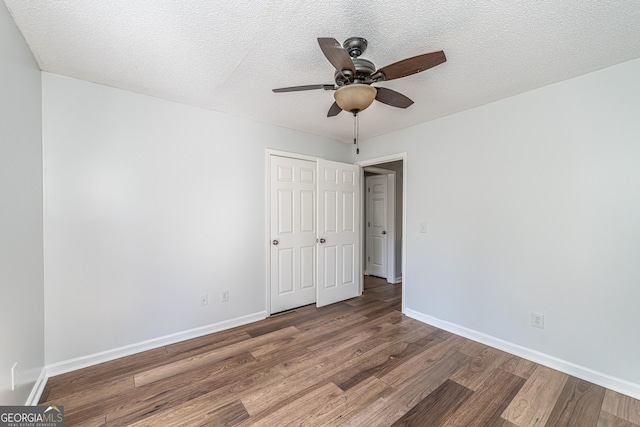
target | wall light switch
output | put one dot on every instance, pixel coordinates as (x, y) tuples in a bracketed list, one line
[(423, 227)]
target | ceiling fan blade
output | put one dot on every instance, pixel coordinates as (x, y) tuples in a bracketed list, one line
[(393, 98), (305, 87), (409, 66), (336, 54), (334, 110)]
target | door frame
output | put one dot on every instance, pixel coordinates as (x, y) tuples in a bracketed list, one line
[(376, 162), (391, 221)]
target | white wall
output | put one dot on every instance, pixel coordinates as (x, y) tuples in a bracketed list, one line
[(150, 204), (21, 264), (532, 204)]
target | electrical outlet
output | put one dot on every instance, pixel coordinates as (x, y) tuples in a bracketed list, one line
[(204, 299), (224, 296), (537, 320), (14, 376)]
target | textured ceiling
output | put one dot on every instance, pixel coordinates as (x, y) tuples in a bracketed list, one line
[(228, 55)]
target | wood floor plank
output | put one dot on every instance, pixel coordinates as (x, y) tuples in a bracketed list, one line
[(312, 402), (88, 377), (231, 413), (297, 317), (435, 409), (385, 359), (471, 348), (381, 312), (373, 328), (320, 366), (331, 322), (193, 401), (348, 403), (578, 405), (407, 323), (194, 362), (415, 344), (481, 367), (322, 343), (82, 398), (368, 307), (504, 423), (262, 400), (387, 354), (411, 332), (432, 376), (407, 393), (274, 323), (420, 362), (98, 421), (534, 402), (275, 347), (609, 420), (622, 406), (519, 366), (486, 405), (163, 396), (353, 346), (204, 344)]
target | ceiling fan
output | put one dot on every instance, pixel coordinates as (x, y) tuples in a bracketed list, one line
[(354, 75)]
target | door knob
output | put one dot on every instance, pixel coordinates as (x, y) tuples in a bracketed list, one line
[(275, 242), (384, 232), (322, 240)]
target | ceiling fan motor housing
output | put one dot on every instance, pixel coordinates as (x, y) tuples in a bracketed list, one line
[(364, 69)]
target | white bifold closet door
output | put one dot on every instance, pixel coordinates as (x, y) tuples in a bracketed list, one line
[(315, 243), (338, 231), (293, 233)]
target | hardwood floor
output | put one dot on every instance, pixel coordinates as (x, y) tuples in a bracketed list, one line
[(356, 363)]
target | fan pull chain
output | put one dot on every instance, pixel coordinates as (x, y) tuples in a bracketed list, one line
[(356, 132)]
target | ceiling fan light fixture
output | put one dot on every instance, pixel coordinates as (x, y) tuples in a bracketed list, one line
[(355, 97)]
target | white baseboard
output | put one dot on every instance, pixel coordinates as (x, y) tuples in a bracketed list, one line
[(616, 384), (105, 356), (38, 388)]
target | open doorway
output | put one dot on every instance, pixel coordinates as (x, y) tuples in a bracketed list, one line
[(383, 221), (383, 210)]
